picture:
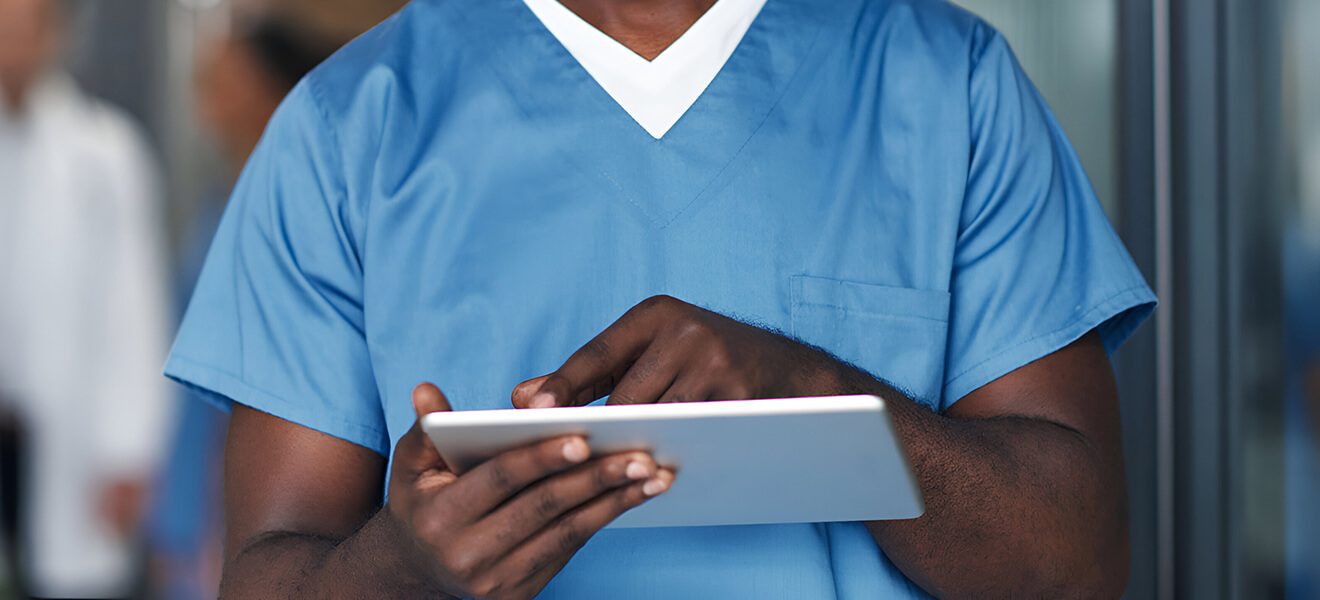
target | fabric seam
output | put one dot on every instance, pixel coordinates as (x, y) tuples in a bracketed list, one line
[(255, 391), (1099, 307)]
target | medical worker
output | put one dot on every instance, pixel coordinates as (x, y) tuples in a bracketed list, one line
[(534, 203), (83, 313)]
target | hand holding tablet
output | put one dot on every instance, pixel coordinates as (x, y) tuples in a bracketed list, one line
[(505, 527), (794, 460)]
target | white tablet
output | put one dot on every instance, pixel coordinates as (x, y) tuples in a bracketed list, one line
[(794, 460)]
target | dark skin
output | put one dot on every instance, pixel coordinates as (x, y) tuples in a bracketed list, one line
[(1023, 478), (302, 517), (646, 27)]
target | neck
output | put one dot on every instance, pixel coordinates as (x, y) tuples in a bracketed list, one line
[(646, 27)]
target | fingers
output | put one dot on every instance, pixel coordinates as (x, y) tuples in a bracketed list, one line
[(592, 371), (686, 390), (479, 552), (648, 378), (481, 490), (523, 392), (549, 499), (559, 541), (704, 383), (658, 375), (534, 563)]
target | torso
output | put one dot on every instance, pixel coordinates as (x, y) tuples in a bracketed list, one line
[(522, 211)]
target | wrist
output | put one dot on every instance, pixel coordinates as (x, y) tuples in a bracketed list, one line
[(819, 373), (411, 553), (822, 374), (403, 557)]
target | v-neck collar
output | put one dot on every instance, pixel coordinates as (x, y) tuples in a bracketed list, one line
[(660, 177), (654, 92)]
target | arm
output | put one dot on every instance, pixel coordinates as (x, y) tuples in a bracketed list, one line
[(1023, 478), (303, 516), (1024, 483), (291, 496)]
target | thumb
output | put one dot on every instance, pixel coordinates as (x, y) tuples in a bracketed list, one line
[(415, 453), (417, 464), (427, 399)]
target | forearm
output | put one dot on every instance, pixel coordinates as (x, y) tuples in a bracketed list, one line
[(1013, 506), (377, 561)]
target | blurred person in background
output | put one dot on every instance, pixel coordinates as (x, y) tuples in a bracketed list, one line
[(83, 314), (241, 77)]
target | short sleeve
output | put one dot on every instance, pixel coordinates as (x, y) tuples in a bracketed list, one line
[(1037, 264), (276, 321)]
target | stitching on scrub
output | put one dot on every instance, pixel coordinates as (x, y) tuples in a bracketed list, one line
[(528, 116), (629, 197), (314, 95), (359, 250), (244, 386), (872, 313), (974, 56), (252, 388), (242, 344), (1105, 304), (806, 55)]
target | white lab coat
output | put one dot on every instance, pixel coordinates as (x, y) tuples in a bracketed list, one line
[(83, 325)]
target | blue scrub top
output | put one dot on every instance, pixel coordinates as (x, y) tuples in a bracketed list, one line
[(452, 198)]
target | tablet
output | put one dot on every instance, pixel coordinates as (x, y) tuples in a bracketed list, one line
[(744, 462)]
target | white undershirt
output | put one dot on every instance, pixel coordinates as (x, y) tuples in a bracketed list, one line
[(655, 93)]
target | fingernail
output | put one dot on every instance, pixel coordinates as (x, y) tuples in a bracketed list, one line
[(542, 400), (576, 451), (637, 471), (655, 487)]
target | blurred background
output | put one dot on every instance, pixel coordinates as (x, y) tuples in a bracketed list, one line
[(1197, 120)]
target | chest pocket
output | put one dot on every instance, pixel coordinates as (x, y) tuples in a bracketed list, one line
[(896, 334)]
